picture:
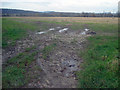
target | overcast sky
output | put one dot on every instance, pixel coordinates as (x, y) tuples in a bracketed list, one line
[(63, 5)]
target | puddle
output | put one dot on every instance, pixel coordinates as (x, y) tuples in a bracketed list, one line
[(83, 33), (40, 32), (51, 29), (86, 29), (62, 30), (70, 66)]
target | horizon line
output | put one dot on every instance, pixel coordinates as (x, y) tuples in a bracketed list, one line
[(57, 11)]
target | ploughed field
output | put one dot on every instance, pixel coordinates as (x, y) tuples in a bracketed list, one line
[(60, 52)]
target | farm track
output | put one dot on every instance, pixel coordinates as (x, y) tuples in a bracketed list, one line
[(58, 69)]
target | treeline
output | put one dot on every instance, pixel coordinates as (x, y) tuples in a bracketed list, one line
[(23, 13)]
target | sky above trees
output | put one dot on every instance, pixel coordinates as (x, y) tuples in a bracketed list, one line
[(63, 5)]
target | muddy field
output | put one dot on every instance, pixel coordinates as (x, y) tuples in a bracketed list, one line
[(58, 47)]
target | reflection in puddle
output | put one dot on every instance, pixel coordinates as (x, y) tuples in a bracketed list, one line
[(65, 29), (86, 29), (40, 32), (51, 29), (83, 33)]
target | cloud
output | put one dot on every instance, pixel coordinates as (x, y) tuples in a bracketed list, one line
[(63, 5)]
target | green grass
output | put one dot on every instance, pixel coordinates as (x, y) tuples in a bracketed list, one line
[(47, 49), (54, 22), (100, 68), (30, 48), (13, 30), (14, 73), (13, 77), (76, 27), (104, 28)]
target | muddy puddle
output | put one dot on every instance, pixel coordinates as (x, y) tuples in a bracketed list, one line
[(84, 32), (70, 67), (40, 32), (62, 30), (86, 29), (52, 29)]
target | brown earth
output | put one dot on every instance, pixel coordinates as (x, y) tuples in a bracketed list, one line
[(109, 20), (58, 69)]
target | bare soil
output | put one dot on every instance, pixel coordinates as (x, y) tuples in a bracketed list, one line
[(59, 68)]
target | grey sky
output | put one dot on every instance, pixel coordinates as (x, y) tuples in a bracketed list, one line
[(63, 5)]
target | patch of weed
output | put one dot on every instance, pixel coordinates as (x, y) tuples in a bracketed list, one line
[(30, 48), (13, 30), (100, 63), (47, 50), (73, 41), (14, 73), (13, 77), (76, 26)]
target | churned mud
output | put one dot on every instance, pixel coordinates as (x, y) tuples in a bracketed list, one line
[(58, 69)]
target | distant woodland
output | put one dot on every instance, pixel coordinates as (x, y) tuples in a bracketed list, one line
[(24, 13)]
